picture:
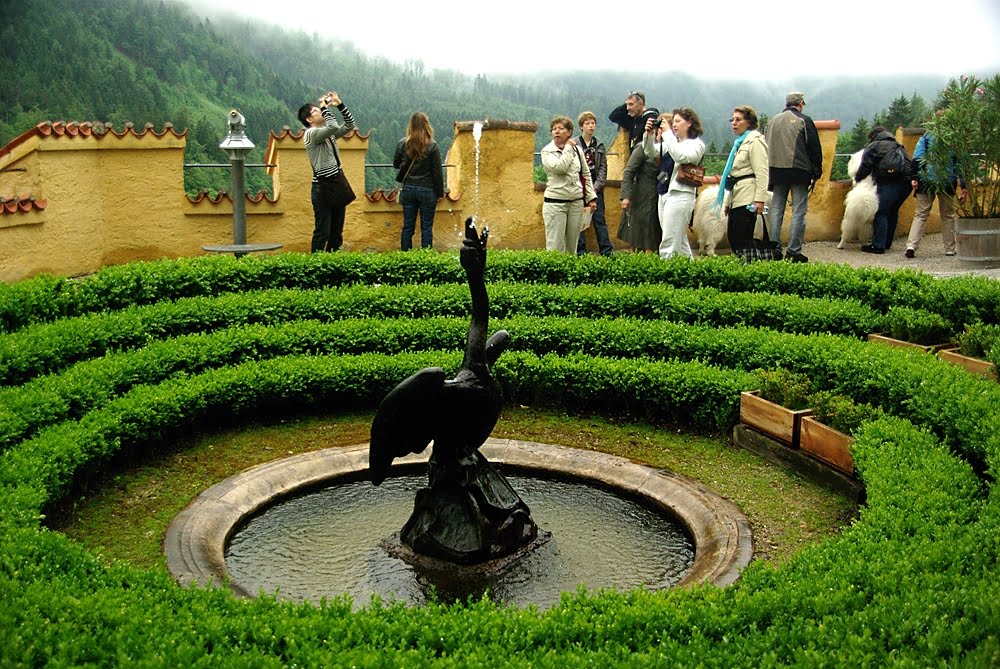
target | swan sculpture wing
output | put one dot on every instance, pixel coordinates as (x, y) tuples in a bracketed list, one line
[(406, 421)]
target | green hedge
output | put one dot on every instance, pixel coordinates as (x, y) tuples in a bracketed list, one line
[(961, 300), (47, 348), (910, 583)]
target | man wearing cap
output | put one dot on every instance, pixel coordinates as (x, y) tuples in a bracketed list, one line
[(795, 163), (631, 117)]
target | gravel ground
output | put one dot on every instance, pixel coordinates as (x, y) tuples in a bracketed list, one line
[(929, 258)]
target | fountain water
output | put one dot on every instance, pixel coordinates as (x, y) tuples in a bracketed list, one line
[(477, 133)]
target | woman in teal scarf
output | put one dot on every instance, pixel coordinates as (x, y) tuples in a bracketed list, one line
[(743, 186)]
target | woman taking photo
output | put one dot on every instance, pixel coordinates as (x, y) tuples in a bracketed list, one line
[(743, 189), (679, 145), (419, 163), (568, 188)]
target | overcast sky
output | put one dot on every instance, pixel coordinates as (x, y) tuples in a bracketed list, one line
[(717, 38)]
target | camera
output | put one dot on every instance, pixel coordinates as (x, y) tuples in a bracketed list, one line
[(657, 122)]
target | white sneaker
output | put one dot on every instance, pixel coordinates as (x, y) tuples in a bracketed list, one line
[(949, 253)]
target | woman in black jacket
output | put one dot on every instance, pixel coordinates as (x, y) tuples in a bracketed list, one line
[(419, 163)]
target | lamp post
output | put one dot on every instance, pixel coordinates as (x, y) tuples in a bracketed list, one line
[(237, 145)]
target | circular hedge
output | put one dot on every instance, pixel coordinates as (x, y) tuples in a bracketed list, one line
[(121, 360)]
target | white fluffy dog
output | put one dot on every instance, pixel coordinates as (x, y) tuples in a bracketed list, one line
[(859, 206), (709, 224)]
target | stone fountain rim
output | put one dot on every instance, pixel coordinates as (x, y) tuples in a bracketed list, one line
[(196, 539)]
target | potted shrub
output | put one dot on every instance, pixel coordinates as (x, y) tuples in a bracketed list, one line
[(978, 349), (826, 434), (915, 328), (965, 137), (778, 407)]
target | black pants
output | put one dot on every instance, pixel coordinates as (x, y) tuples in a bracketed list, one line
[(740, 228), (328, 234)]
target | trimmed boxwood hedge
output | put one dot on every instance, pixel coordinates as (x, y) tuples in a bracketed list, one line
[(910, 583)]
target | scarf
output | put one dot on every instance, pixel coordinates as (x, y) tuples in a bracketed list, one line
[(729, 165)]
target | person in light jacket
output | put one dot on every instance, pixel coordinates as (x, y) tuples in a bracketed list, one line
[(743, 189), (568, 188), (679, 145)]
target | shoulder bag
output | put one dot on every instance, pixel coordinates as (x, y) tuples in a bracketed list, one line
[(691, 175), (761, 249)]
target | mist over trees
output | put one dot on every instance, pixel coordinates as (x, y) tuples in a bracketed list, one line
[(150, 61)]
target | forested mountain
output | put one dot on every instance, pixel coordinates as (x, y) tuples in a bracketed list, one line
[(157, 61)]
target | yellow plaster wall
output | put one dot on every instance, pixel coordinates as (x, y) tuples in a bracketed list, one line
[(117, 199)]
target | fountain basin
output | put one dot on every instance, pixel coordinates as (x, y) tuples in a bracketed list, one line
[(197, 539)]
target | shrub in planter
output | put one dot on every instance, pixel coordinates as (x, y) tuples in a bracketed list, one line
[(777, 408), (978, 340), (918, 326), (826, 435), (841, 412), (789, 389)]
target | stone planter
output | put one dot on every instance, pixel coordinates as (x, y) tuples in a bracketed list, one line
[(885, 339), (772, 419), (972, 365), (827, 444)]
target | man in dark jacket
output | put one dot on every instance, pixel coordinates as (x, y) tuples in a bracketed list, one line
[(892, 185), (795, 163), (631, 117)]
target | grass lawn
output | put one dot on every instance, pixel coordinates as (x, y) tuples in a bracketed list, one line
[(124, 514)]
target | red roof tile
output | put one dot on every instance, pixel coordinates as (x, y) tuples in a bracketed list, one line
[(20, 204), (203, 195), (96, 129)]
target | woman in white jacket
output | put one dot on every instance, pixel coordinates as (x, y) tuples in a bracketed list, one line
[(568, 188), (679, 146)]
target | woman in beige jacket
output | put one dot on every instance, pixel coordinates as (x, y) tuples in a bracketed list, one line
[(745, 178), (568, 188)]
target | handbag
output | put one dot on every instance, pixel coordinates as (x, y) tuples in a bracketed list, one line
[(761, 249), (691, 175), (337, 190)]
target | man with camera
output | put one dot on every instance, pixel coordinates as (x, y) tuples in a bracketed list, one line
[(331, 193), (631, 117)]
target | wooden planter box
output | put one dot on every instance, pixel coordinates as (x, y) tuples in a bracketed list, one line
[(771, 419), (971, 365), (884, 339), (823, 442)]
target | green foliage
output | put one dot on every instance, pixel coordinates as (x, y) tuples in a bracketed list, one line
[(841, 412), (789, 389), (217, 340), (539, 175), (966, 138), (918, 326), (978, 340)]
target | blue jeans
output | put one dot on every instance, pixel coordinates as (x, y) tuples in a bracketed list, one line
[(600, 230), (414, 199), (800, 202), (891, 196)]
